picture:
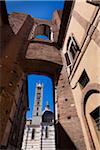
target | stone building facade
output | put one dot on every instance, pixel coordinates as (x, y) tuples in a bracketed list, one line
[(70, 57)]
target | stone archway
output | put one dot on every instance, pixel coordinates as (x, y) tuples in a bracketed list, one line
[(44, 27)]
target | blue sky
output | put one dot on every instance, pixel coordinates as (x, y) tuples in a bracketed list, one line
[(47, 91), (37, 9), (42, 10)]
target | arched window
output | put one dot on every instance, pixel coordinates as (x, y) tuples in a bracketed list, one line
[(33, 133)]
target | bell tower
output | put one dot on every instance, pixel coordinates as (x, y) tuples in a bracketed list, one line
[(37, 110)]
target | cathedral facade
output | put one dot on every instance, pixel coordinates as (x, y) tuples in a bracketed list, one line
[(39, 133)]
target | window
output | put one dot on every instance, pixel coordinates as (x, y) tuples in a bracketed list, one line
[(68, 61), (46, 132), (38, 95), (37, 113), (84, 79), (94, 2), (38, 103), (33, 133), (39, 88), (96, 118), (72, 47), (72, 52)]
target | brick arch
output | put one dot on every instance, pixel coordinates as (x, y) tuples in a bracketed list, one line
[(93, 88), (42, 29)]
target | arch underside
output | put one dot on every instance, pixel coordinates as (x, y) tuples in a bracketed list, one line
[(41, 58), (42, 29)]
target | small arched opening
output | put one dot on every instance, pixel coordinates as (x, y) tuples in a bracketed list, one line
[(43, 31)]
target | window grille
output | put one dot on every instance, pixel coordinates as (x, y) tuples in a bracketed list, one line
[(84, 79)]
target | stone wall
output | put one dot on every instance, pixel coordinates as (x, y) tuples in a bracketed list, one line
[(11, 74), (68, 120)]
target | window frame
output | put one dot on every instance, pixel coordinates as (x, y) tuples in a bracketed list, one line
[(94, 2), (68, 54), (84, 76), (69, 49)]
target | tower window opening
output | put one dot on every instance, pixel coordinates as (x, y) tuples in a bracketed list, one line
[(37, 114), (38, 88), (38, 103), (38, 96)]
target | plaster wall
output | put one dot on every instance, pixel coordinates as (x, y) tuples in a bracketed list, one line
[(91, 63), (89, 55), (82, 7)]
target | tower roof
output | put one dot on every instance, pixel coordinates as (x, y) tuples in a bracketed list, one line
[(39, 85)]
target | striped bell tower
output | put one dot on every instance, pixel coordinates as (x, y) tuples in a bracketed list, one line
[(37, 110)]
